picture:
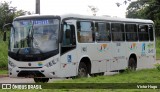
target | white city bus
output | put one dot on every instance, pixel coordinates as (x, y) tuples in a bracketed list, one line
[(46, 46)]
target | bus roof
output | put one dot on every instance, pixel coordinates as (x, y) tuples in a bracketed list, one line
[(86, 17), (106, 18)]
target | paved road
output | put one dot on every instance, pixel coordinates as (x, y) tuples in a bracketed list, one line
[(30, 80)]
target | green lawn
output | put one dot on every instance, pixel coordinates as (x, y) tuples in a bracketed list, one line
[(3, 71), (140, 76), (158, 47)]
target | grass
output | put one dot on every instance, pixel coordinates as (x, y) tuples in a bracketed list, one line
[(3, 71), (140, 76), (158, 47), (3, 55)]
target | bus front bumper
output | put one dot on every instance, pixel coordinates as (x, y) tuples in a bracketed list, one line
[(43, 72)]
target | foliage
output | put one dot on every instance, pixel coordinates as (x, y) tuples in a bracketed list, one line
[(145, 9), (8, 13), (157, 66)]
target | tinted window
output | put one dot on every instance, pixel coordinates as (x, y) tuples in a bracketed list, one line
[(103, 32), (117, 30), (143, 33), (85, 31), (131, 32), (151, 36)]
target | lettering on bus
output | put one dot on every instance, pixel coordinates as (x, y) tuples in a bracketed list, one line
[(118, 44), (119, 57)]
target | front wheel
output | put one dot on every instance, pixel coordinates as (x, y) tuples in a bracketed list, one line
[(41, 80), (82, 71)]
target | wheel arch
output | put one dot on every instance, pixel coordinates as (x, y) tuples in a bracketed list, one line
[(87, 62)]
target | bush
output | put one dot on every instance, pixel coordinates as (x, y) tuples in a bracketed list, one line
[(157, 66)]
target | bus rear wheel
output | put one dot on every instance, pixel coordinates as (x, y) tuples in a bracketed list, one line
[(82, 71), (41, 80), (97, 74), (132, 64)]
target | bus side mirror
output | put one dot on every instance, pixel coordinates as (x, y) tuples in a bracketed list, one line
[(5, 33), (61, 34), (4, 36)]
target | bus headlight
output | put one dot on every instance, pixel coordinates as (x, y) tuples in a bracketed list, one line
[(51, 63), (11, 64)]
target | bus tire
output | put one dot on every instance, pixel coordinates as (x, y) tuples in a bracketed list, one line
[(82, 70), (41, 80), (93, 75), (132, 64), (101, 74), (97, 74)]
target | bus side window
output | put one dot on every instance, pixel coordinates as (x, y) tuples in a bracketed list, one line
[(69, 38), (102, 31), (69, 35), (151, 35), (131, 32), (143, 33), (85, 31), (117, 30)]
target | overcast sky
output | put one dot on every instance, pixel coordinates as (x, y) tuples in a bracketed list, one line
[(59, 7)]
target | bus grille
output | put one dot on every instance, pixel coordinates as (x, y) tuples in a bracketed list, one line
[(30, 74)]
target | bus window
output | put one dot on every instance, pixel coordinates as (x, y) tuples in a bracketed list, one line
[(117, 30), (103, 32), (69, 35), (131, 32), (69, 38), (151, 36), (143, 33), (85, 31)]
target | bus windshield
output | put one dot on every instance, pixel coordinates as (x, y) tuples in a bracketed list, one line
[(34, 36)]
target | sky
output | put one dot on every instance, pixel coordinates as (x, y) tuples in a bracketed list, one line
[(59, 7)]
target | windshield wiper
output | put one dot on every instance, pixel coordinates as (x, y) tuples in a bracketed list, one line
[(18, 51), (31, 40)]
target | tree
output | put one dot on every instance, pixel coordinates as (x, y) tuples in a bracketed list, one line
[(145, 9), (8, 13)]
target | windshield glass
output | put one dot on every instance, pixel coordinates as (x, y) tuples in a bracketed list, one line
[(34, 36)]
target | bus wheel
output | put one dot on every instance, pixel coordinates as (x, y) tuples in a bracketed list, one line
[(82, 71), (42, 80), (101, 74), (132, 64), (93, 75), (97, 74)]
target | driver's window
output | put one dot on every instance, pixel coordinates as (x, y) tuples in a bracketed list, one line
[(69, 35), (69, 39)]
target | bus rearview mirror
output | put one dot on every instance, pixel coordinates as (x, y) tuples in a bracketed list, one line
[(5, 34)]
